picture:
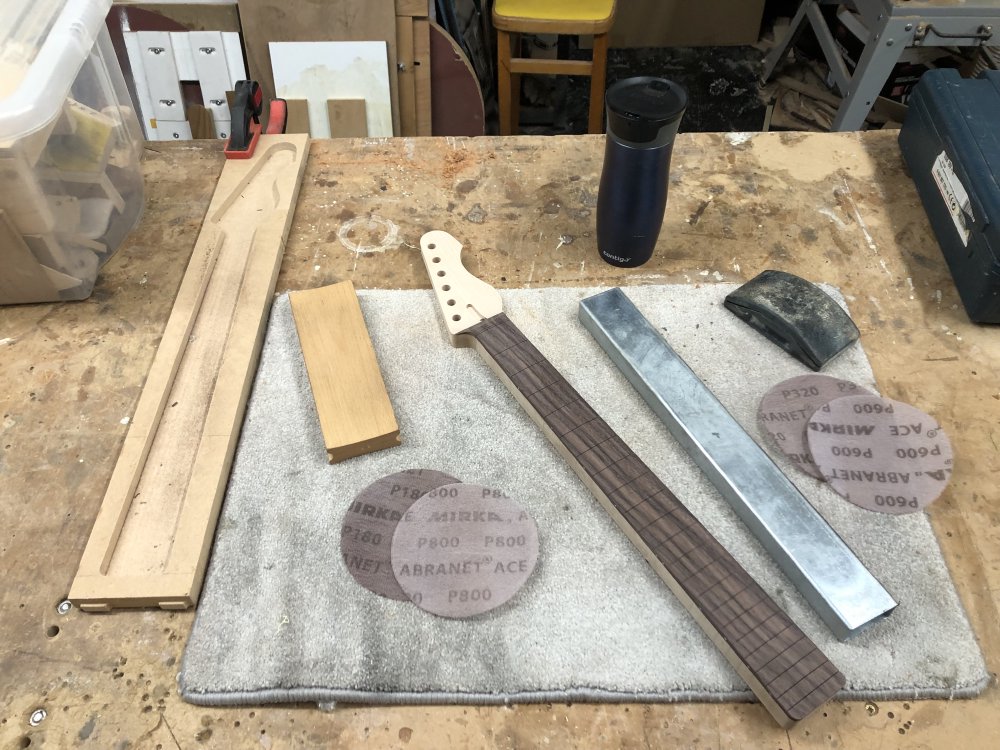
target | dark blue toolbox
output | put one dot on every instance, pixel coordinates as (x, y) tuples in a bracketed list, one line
[(951, 143)]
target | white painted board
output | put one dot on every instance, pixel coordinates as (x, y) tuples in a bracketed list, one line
[(317, 71), (148, 116), (213, 71), (234, 58), (183, 58), (157, 53)]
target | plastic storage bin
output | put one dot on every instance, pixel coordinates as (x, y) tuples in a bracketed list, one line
[(70, 145)]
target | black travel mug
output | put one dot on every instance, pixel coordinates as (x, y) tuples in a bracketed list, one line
[(643, 116)]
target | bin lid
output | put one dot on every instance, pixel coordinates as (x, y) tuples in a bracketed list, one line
[(43, 44)]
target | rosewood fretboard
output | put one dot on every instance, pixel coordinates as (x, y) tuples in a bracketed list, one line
[(786, 670)]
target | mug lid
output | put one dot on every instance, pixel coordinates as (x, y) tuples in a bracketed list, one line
[(638, 108)]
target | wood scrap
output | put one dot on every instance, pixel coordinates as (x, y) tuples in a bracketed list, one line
[(354, 411), (823, 96), (297, 118), (348, 118), (802, 100), (201, 121), (150, 542)]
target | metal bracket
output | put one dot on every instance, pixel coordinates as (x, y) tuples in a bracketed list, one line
[(983, 34)]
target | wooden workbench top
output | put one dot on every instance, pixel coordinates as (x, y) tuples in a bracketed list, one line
[(837, 208)]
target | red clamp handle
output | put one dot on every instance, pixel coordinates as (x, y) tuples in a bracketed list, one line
[(277, 117)]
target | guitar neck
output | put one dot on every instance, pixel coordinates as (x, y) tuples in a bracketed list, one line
[(783, 667)]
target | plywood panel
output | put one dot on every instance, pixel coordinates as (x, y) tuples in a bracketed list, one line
[(266, 21), (317, 71)]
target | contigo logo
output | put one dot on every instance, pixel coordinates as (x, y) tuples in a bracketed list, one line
[(614, 257)]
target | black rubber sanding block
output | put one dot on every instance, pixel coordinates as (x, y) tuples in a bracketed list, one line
[(795, 314)]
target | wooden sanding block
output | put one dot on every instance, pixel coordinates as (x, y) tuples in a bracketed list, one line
[(353, 405)]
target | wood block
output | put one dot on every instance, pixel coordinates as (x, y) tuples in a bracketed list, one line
[(22, 279), (297, 120), (150, 542), (348, 118), (406, 77), (422, 74), (353, 405)]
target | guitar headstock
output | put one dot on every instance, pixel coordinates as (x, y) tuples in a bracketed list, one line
[(464, 300)]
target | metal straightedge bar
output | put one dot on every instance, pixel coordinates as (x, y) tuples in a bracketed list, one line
[(813, 556)]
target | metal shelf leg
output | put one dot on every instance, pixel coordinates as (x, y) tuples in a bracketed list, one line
[(881, 54)]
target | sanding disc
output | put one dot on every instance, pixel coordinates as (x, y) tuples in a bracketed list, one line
[(366, 534), (880, 454), (785, 410), (463, 549)]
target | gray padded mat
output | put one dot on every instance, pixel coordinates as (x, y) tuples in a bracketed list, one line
[(281, 619)]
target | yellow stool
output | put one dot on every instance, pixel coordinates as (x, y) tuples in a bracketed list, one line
[(587, 17)]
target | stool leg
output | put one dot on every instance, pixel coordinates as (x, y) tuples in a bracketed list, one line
[(515, 88), (598, 77), (503, 80)]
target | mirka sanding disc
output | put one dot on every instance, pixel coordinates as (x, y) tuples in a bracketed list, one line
[(785, 410), (463, 549), (880, 454), (366, 534)]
